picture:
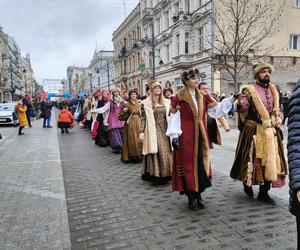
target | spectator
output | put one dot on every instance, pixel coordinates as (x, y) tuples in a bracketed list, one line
[(46, 108)]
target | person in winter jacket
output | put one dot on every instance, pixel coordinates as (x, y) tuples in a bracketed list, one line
[(46, 114), (21, 111), (65, 120), (294, 155)]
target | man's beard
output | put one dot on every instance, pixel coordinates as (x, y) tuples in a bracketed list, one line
[(265, 82)]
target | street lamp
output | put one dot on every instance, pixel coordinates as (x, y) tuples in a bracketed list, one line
[(24, 71), (91, 85), (98, 71)]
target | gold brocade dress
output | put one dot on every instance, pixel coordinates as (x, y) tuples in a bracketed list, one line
[(159, 164), (132, 148)]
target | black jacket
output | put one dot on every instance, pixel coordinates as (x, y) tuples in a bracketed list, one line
[(46, 109), (294, 149)]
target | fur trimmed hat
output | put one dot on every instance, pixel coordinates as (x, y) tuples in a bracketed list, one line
[(257, 68), (187, 74), (132, 91), (116, 89)]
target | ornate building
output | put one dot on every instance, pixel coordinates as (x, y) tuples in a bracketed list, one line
[(16, 73), (161, 38), (129, 62)]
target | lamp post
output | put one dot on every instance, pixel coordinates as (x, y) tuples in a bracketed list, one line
[(107, 64), (24, 71), (98, 71), (91, 85)]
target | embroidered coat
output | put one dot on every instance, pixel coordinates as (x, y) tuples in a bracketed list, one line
[(186, 174), (259, 154)]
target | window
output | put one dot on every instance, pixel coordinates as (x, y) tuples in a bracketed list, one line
[(200, 3), (201, 39), (177, 44), (186, 43), (178, 83), (167, 53), (295, 42), (187, 6), (158, 26), (297, 3), (167, 20)]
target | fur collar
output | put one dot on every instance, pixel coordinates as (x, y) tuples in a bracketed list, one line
[(185, 95), (264, 114)]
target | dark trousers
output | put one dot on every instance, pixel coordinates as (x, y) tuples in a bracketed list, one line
[(28, 118), (20, 129)]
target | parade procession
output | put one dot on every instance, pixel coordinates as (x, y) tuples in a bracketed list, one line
[(181, 132)]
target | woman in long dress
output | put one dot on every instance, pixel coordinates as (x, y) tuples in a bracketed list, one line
[(132, 150), (157, 161), (112, 109), (102, 130)]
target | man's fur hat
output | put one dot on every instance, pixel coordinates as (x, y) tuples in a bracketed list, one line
[(257, 68)]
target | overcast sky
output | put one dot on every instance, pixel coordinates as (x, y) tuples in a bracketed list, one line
[(62, 33)]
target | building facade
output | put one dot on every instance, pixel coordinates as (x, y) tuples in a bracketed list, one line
[(129, 61), (180, 34), (16, 73), (102, 70)]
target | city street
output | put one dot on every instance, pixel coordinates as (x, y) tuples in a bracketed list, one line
[(104, 204)]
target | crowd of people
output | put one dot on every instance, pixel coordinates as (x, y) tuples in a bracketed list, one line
[(172, 134)]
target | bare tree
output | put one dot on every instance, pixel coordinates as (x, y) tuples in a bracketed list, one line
[(242, 29)]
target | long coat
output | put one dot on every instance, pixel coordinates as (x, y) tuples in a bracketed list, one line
[(23, 122), (193, 153), (294, 150)]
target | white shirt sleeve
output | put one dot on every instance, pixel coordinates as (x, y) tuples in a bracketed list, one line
[(222, 108), (103, 109), (174, 126)]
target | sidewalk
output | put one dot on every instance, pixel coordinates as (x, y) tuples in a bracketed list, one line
[(33, 213)]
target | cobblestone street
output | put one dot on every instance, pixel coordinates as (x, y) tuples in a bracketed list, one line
[(110, 207)]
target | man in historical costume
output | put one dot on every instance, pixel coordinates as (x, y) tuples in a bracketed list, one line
[(259, 156), (189, 139)]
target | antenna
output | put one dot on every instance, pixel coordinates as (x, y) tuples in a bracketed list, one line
[(124, 3)]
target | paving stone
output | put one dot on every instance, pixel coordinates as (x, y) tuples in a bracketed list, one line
[(125, 212)]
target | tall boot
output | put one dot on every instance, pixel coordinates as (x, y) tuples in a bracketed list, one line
[(248, 190), (192, 202), (263, 194), (200, 202)]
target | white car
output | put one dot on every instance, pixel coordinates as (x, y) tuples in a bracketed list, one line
[(8, 114)]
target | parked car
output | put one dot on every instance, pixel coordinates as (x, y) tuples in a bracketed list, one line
[(8, 114)]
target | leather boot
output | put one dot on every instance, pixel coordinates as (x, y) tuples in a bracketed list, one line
[(192, 203), (263, 194), (200, 202), (248, 190)]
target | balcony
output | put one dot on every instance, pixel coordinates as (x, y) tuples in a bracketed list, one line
[(182, 61), (182, 17), (147, 13)]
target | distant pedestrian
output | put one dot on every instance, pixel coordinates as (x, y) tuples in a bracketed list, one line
[(21, 111), (46, 108), (65, 120), (294, 156), (29, 106)]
